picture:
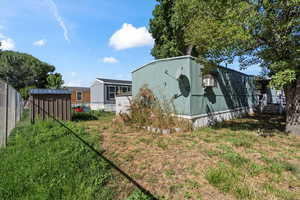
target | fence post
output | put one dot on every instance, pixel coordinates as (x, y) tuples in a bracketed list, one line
[(6, 114)]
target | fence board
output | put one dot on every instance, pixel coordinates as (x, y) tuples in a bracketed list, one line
[(11, 106)]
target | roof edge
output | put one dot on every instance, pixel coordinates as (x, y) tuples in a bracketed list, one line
[(164, 59), (192, 58)]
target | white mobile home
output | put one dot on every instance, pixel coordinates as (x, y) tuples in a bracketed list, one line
[(104, 92)]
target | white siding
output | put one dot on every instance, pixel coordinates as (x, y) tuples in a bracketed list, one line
[(97, 95), (122, 104)]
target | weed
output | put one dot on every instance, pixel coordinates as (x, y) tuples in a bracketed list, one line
[(170, 173), (254, 169), (276, 166), (235, 159), (212, 153), (138, 195), (282, 194), (161, 144), (227, 179), (192, 184), (146, 111), (175, 188)]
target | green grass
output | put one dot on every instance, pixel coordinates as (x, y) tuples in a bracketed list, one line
[(277, 166), (138, 195), (43, 161), (227, 180), (281, 194)]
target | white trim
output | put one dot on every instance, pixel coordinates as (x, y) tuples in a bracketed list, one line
[(116, 83), (214, 113), (121, 84)]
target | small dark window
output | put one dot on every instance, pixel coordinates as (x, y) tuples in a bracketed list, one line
[(111, 92), (184, 85), (79, 96)]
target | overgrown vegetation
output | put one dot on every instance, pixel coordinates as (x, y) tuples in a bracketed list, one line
[(146, 111), (90, 115), (43, 161), (230, 160)]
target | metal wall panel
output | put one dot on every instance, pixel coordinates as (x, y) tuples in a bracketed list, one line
[(11, 107)]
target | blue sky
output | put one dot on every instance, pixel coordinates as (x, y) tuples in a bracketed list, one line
[(83, 39)]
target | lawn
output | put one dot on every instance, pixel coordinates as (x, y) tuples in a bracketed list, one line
[(44, 161), (249, 158)]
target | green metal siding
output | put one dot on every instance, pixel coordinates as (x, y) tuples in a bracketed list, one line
[(163, 85), (234, 89)]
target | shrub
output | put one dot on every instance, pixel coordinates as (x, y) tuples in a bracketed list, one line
[(145, 110), (83, 116), (43, 161)]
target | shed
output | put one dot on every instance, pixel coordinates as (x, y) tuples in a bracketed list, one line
[(45, 103), (200, 97)]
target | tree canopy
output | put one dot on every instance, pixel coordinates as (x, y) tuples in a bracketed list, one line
[(256, 32), (24, 71), (260, 32)]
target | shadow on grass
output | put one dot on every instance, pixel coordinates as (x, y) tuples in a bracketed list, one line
[(252, 123)]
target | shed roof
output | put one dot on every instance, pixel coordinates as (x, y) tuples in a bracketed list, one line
[(49, 91), (114, 81)]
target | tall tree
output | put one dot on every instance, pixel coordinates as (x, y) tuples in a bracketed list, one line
[(263, 32), (54, 81), (24, 71), (167, 31)]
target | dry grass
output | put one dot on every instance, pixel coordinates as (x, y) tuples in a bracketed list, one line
[(228, 161)]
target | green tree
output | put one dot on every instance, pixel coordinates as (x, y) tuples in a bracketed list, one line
[(166, 29), (261, 32), (24, 71), (55, 81)]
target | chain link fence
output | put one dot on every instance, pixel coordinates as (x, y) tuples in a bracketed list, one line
[(11, 107)]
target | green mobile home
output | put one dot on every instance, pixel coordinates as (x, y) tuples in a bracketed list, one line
[(202, 98)]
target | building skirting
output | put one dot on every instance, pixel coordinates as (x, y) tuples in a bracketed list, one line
[(102, 106), (209, 119)]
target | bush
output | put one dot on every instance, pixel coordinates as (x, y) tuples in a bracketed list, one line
[(43, 161), (83, 116), (145, 110)]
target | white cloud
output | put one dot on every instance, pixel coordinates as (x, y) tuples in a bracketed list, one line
[(109, 60), (59, 19), (39, 43), (129, 37), (7, 44)]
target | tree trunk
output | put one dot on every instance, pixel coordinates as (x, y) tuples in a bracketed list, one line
[(189, 50), (293, 108)]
